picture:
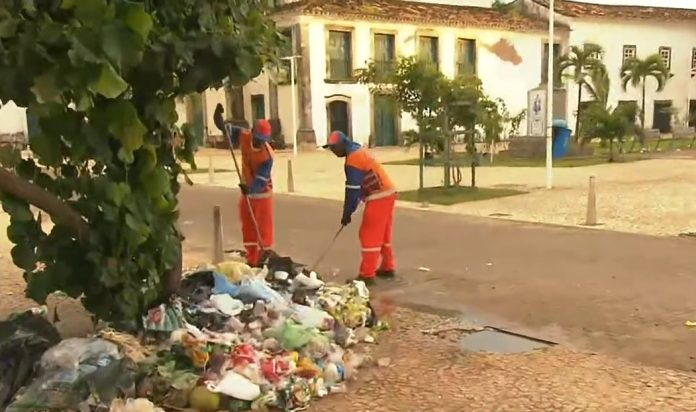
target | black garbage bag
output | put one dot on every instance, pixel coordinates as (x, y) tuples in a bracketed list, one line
[(76, 372), (23, 340)]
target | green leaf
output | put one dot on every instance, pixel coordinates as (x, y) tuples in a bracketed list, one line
[(10, 157), (125, 125), (29, 7), (17, 209), (45, 88), (109, 84), (8, 27), (116, 192), (156, 183), (39, 286), (122, 46), (24, 256), (135, 16), (47, 149), (164, 111)]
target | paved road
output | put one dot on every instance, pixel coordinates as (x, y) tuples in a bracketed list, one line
[(627, 295)]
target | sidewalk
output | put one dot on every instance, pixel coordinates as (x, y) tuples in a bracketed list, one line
[(650, 197), (431, 373)]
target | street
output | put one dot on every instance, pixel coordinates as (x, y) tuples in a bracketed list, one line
[(619, 294)]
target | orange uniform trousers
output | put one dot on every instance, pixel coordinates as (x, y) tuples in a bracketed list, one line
[(376, 236), (263, 211)]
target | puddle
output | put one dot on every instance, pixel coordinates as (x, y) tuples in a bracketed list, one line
[(499, 342)]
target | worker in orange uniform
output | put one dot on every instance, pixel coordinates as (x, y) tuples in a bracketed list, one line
[(366, 180), (256, 185)]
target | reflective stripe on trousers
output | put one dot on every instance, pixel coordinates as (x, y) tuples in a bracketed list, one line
[(263, 211), (376, 235)]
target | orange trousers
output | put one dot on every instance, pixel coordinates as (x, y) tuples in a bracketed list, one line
[(263, 211), (376, 236)]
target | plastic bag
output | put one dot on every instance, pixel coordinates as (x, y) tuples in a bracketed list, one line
[(223, 285), (227, 304), (237, 386), (312, 317), (252, 290), (23, 340), (100, 372), (235, 271), (292, 336)]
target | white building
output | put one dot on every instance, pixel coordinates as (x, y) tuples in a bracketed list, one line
[(335, 37), (628, 31)]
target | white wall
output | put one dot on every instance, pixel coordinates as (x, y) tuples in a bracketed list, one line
[(13, 119), (500, 78), (647, 37)]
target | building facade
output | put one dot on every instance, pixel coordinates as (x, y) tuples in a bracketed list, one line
[(333, 38), (632, 31)]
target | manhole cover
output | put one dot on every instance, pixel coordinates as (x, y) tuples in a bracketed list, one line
[(499, 342)]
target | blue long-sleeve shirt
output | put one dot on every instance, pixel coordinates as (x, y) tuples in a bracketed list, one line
[(354, 179)]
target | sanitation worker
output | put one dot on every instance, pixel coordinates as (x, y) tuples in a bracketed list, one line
[(256, 185), (366, 180)]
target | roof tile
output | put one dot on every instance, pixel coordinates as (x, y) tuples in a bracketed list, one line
[(577, 9), (416, 12)]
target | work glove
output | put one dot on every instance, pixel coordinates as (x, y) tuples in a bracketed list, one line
[(345, 221), (244, 188)]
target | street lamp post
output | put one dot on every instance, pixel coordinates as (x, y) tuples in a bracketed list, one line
[(549, 100), (293, 103)]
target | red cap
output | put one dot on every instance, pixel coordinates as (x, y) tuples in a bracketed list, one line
[(262, 130)]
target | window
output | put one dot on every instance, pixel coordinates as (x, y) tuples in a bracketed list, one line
[(428, 50), (340, 55), (287, 50), (466, 57), (384, 53), (545, 64), (666, 55), (258, 106), (693, 62), (629, 52)]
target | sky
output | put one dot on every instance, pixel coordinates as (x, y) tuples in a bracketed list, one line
[(684, 4)]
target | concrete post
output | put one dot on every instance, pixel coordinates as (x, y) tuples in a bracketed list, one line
[(291, 178), (591, 218)]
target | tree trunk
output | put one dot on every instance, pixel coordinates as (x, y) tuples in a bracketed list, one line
[(611, 150), (421, 160), (642, 107), (577, 117), (473, 174), (15, 186)]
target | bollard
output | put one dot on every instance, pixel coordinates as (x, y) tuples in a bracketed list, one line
[(291, 178), (591, 218), (211, 171), (218, 254)]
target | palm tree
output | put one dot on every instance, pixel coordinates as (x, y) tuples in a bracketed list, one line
[(581, 60), (636, 71), (605, 122)]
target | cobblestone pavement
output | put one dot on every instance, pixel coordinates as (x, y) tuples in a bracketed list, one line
[(650, 197), (432, 373)]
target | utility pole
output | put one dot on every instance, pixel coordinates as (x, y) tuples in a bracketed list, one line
[(549, 100)]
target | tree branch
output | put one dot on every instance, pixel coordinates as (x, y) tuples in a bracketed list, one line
[(14, 185)]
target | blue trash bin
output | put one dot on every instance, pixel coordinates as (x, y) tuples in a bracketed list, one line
[(560, 138)]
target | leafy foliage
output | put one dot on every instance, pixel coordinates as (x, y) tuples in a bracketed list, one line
[(102, 77), (603, 121), (636, 73), (440, 105), (581, 62)]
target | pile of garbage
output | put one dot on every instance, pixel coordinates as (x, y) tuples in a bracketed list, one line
[(235, 339)]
